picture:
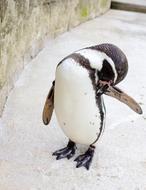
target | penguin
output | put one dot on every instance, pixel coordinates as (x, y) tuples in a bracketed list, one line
[(76, 95)]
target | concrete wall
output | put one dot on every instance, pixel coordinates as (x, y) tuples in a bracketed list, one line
[(25, 25)]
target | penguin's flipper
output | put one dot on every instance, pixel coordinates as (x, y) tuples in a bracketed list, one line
[(49, 106), (123, 97)]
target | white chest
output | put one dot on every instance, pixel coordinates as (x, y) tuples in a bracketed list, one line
[(75, 105)]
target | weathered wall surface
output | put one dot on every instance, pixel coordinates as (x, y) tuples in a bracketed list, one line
[(24, 26)]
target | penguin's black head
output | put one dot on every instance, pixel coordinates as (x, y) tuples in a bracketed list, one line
[(120, 62), (109, 77)]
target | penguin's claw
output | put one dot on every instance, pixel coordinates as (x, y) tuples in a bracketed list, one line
[(64, 153), (85, 162), (70, 155), (85, 159), (67, 152), (79, 158), (56, 153)]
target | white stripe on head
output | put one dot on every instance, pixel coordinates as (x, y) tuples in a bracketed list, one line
[(96, 58)]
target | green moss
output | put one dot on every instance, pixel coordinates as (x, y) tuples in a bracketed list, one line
[(84, 12)]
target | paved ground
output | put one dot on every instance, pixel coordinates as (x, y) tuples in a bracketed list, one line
[(26, 144)]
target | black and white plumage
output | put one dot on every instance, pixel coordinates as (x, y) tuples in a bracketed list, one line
[(76, 95)]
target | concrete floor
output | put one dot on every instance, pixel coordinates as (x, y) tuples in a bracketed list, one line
[(26, 145)]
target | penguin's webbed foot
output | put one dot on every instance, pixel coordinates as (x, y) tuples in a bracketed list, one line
[(67, 152), (85, 159)]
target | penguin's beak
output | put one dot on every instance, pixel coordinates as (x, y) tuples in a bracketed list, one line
[(123, 97)]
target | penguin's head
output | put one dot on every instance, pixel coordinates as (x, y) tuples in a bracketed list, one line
[(117, 71), (110, 75)]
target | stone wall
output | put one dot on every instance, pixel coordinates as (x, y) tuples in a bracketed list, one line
[(25, 25)]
